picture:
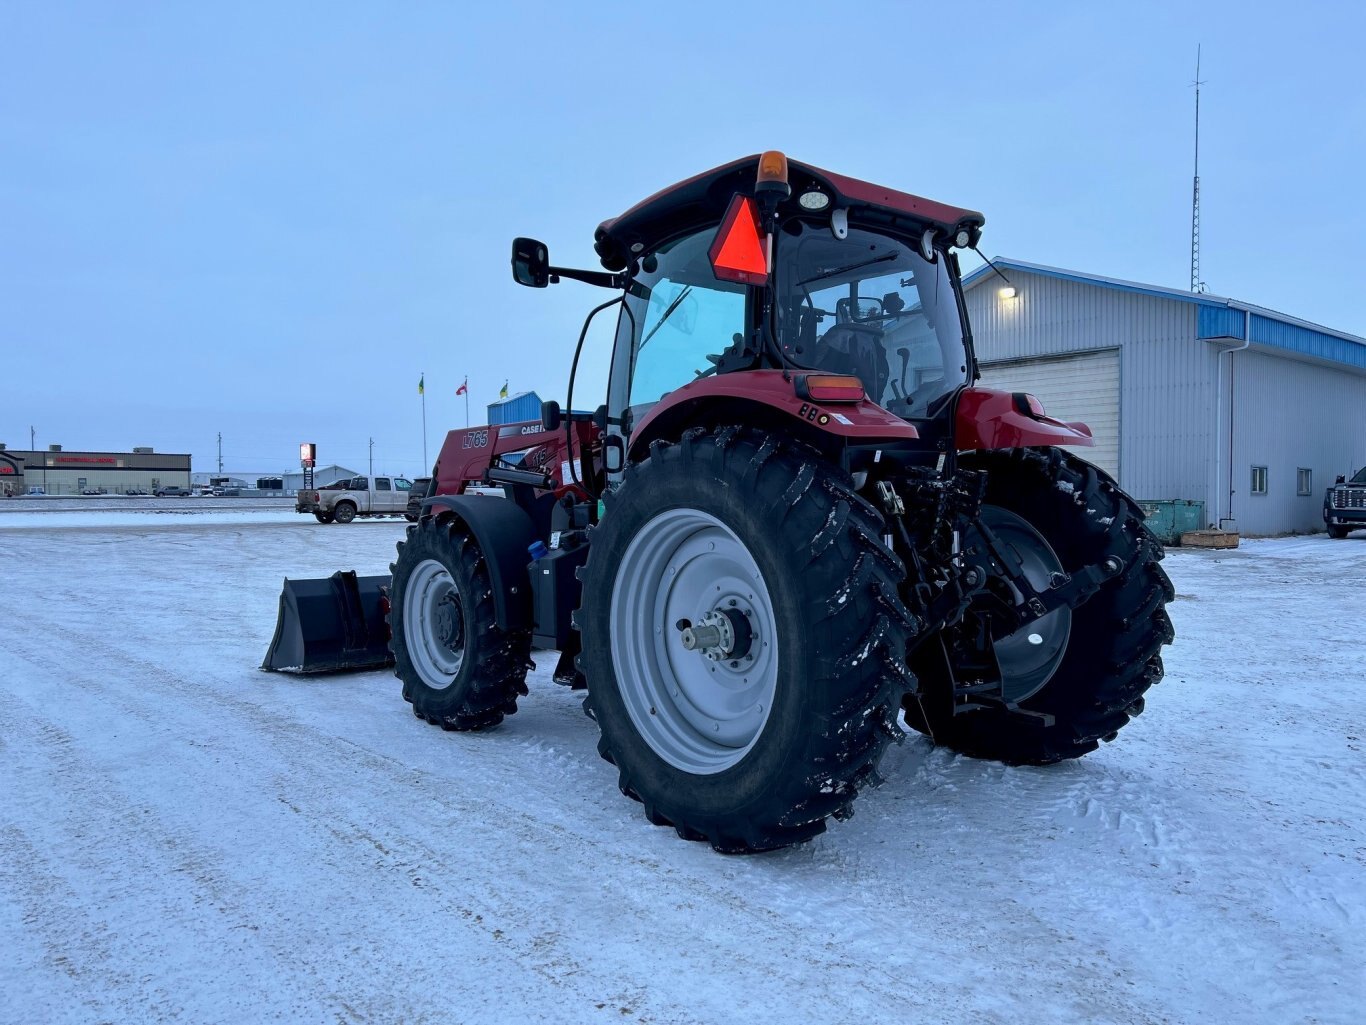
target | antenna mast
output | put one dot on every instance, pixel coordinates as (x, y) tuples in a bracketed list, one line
[(1196, 284)]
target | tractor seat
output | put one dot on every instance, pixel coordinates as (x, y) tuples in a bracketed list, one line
[(858, 350)]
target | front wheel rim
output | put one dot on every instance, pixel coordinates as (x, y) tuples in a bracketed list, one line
[(434, 624), (699, 710)]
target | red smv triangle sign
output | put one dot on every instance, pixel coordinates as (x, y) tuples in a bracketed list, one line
[(739, 253)]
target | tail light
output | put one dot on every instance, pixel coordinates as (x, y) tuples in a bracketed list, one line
[(829, 388)]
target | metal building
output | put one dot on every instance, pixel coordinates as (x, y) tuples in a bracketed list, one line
[(56, 471), (525, 405), (1191, 396)]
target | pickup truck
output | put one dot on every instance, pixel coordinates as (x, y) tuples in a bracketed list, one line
[(1344, 505), (173, 492), (344, 500)]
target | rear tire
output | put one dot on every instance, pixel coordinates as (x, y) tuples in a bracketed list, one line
[(749, 751), (1112, 651), (344, 512), (460, 670), (323, 517)]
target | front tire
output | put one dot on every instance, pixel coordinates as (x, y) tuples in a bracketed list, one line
[(1338, 532), (460, 670), (752, 743), (1110, 651)]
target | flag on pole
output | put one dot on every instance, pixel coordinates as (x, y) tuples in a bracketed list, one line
[(463, 388), (421, 385), (504, 393)]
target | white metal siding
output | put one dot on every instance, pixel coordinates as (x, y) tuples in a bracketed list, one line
[(1081, 387), (1288, 414)]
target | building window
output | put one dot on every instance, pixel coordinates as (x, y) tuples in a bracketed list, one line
[(1304, 481), (1259, 480)]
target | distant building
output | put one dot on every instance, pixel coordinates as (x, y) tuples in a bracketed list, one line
[(61, 472), (525, 405), (1191, 396)]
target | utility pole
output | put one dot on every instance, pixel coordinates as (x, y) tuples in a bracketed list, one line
[(372, 457), (220, 453)]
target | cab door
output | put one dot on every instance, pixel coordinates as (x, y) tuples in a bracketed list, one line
[(385, 496)]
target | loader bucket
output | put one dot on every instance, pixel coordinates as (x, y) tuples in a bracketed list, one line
[(331, 625)]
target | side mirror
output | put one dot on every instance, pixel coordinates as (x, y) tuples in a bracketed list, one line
[(530, 262), (1342, 479), (550, 415)]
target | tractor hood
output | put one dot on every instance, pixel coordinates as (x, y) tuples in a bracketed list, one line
[(702, 200)]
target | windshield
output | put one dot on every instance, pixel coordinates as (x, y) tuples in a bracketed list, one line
[(870, 305), (1360, 476), (680, 319)]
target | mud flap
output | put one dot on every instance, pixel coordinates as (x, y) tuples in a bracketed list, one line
[(331, 625)]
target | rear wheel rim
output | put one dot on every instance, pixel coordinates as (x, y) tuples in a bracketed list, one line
[(1030, 656), (434, 624), (702, 714)]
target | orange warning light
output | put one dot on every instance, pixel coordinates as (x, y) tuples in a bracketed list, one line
[(739, 253), (772, 168)]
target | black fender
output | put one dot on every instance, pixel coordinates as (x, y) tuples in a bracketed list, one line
[(503, 530)]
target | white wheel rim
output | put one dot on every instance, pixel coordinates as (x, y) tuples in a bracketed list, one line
[(434, 624), (700, 714)]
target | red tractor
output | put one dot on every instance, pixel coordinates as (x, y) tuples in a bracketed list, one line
[(794, 524)]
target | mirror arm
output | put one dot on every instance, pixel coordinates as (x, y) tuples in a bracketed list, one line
[(588, 277)]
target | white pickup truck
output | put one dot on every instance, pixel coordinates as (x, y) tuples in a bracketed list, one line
[(344, 500)]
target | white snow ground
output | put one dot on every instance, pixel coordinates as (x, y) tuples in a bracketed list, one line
[(186, 839)]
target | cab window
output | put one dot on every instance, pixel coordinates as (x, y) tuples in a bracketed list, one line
[(679, 315)]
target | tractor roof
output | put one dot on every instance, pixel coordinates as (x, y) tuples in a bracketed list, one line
[(702, 200)]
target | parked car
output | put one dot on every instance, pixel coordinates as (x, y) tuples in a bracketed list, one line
[(35, 491), (415, 497), (173, 492), (1344, 505), (137, 492)]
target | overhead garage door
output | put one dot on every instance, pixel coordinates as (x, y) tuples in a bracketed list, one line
[(1081, 387)]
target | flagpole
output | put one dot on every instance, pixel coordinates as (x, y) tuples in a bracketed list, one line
[(426, 465)]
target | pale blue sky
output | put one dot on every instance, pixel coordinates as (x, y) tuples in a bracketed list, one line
[(270, 219)]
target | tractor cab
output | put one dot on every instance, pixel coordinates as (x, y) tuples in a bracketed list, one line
[(789, 271), (766, 264)]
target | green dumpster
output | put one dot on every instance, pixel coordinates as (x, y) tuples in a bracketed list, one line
[(1169, 518)]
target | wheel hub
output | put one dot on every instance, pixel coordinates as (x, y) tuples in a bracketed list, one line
[(449, 622), (720, 635)]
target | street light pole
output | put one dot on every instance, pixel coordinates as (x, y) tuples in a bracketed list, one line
[(372, 457)]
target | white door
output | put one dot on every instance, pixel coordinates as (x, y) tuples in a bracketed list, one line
[(1083, 386)]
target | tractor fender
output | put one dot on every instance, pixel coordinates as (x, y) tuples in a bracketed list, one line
[(766, 392), (987, 418), (502, 530)]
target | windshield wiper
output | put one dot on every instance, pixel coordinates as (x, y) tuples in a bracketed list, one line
[(667, 314), (853, 266)]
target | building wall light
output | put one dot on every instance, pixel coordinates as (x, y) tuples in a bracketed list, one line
[(1008, 292)]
